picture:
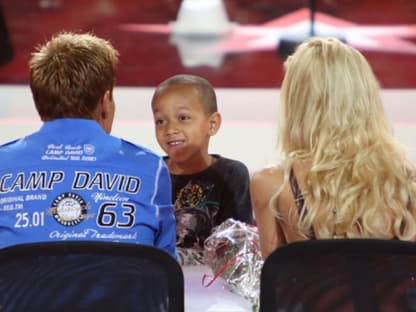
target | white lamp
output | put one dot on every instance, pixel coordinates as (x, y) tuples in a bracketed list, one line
[(195, 51), (202, 17)]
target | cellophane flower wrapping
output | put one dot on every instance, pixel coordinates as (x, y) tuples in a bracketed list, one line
[(232, 251)]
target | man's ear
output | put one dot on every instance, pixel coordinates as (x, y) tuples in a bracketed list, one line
[(105, 111), (214, 123), (106, 104)]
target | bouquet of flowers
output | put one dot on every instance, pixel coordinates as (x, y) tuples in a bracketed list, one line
[(232, 251)]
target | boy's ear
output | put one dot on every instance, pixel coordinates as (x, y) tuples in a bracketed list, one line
[(214, 123)]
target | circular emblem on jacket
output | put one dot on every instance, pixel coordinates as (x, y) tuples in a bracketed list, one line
[(69, 209)]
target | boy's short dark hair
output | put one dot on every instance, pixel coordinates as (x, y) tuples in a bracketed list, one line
[(204, 87), (70, 73)]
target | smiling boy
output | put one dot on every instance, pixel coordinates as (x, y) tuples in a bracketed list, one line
[(207, 188)]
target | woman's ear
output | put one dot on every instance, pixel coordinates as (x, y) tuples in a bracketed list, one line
[(214, 122)]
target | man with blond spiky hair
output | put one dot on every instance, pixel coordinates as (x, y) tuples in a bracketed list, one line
[(72, 180)]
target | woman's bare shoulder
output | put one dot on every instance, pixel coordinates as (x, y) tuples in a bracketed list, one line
[(268, 173), (267, 180)]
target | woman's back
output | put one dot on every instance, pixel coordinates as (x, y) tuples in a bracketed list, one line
[(282, 225)]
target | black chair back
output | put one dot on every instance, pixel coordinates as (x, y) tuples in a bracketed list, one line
[(89, 276), (362, 275)]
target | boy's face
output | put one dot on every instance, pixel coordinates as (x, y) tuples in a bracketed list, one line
[(182, 126)]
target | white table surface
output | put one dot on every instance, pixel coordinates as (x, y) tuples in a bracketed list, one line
[(214, 298)]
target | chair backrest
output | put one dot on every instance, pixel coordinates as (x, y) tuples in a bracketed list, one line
[(89, 276), (362, 275)]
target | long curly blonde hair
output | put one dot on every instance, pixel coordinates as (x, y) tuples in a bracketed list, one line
[(360, 183)]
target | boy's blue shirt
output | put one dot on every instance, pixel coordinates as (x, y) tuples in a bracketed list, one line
[(72, 181)]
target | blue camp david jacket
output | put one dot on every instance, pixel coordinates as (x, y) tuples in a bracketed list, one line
[(72, 181)]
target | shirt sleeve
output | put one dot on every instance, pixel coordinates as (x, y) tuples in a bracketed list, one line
[(236, 203), (166, 236)]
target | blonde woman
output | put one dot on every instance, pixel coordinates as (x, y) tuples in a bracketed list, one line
[(343, 175)]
